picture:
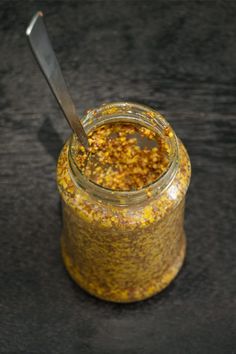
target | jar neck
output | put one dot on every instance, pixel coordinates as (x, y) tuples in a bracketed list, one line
[(127, 113)]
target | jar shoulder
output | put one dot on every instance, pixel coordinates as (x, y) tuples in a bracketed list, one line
[(153, 209)]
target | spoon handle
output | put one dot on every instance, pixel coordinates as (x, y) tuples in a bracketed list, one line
[(44, 53)]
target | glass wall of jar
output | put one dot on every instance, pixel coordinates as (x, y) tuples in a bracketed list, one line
[(124, 246)]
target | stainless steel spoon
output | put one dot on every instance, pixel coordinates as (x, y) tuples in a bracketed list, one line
[(44, 53)]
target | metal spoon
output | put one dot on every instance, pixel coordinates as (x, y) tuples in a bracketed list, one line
[(44, 53)]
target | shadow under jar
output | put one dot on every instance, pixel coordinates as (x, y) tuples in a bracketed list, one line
[(124, 246)]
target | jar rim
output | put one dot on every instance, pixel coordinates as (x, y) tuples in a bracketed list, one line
[(127, 112)]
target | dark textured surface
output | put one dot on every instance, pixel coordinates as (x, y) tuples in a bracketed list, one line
[(177, 56)]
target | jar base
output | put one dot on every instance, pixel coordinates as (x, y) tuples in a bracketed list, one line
[(155, 287)]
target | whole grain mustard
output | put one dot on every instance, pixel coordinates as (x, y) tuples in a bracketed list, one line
[(122, 156), (123, 203)]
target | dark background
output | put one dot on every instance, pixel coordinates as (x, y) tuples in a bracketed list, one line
[(176, 56)]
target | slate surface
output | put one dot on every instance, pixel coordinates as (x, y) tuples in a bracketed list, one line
[(176, 56)]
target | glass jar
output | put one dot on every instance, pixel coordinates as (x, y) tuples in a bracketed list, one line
[(124, 246)]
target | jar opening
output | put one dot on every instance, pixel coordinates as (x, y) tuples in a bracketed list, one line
[(126, 113)]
